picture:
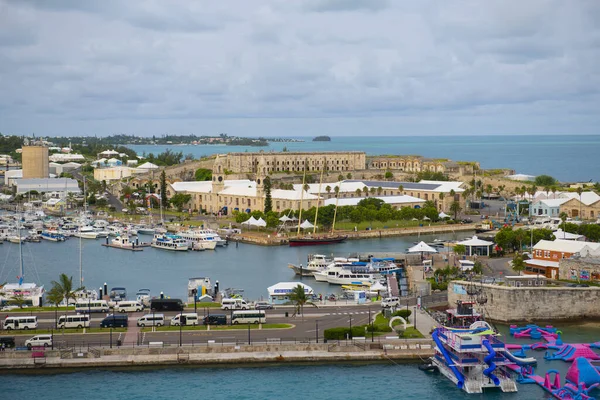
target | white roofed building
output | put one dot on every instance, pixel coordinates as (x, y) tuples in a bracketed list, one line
[(547, 255)]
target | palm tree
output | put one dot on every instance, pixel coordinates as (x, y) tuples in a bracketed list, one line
[(379, 190), (299, 299), (401, 189), (489, 188), (366, 191), (554, 190), (18, 300), (518, 264), (54, 297), (340, 178), (579, 192), (64, 287), (328, 189), (358, 192), (455, 208), (336, 190), (547, 190), (372, 191)]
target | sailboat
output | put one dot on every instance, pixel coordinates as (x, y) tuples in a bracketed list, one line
[(31, 292), (314, 240)]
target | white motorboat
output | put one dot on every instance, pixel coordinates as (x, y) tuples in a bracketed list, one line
[(53, 235), (198, 241), (169, 242), (145, 230), (341, 274), (102, 233), (86, 232), (16, 239), (316, 262)]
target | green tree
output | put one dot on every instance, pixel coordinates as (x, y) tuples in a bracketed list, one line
[(478, 268), (299, 298), (340, 178), (455, 208), (268, 200), (349, 175), (18, 300), (163, 188), (518, 264), (203, 174), (545, 180), (460, 249), (358, 192), (180, 199), (54, 297), (64, 288), (388, 175), (102, 202), (401, 189)]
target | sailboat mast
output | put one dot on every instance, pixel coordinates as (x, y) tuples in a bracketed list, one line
[(80, 261), (317, 211), (337, 197), (21, 269), (301, 198)]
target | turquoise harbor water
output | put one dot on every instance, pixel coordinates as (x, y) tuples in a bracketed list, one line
[(252, 268), (567, 157)]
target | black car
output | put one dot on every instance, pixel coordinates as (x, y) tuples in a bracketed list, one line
[(7, 341), (583, 285), (571, 285), (467, 221)]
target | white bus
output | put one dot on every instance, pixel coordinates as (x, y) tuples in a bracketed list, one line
[(249, 317), (74, 321), (24, 322), (91, 306)]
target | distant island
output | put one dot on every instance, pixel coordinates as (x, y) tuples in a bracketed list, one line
[(322, 139)]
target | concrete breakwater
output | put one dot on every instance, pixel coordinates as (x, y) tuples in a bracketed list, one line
[(155, 354), (275, 240)]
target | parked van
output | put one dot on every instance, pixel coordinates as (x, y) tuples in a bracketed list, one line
[(234, 304), (151, 320), (390, 302), (216, 319), (188, 319), (114, 321), (20, 322), (166, 305), (7, 341), (129, 306), (74, 321), (39, 340)]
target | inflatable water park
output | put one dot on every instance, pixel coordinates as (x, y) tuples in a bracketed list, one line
[(475, 359)]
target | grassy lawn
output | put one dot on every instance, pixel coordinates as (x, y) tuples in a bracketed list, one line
[(38, 309), (218, 327), (411, 333), (349, 226), (60, 331), (200, 306)]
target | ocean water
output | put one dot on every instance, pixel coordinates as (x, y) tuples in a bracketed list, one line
[(250, 267), (567, 157)]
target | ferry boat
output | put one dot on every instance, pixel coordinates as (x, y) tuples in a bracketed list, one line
[(197, 240), (169, 242), (474, 358), (342, 274), (53, 236)]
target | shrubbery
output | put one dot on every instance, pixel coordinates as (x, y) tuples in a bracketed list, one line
[(404, 313)]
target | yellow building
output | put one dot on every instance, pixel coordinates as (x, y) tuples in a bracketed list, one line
[(419, 163), (35, 162), (586, 208)]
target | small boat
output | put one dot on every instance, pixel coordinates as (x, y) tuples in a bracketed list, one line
[(16, 239), (86, 232), (315, 263), (169, 242), (145, 230), (53, 236), (123, 242)]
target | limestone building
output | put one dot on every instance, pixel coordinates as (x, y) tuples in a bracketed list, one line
[(237, 163), (418, 164), (35, 162)]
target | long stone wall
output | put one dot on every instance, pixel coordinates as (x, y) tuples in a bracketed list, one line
[(513, 304)]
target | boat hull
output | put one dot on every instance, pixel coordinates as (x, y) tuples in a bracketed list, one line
[(316, 241), (178, 248), (300, 271)]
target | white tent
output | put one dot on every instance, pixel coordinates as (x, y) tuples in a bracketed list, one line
[(426, 218), (285, 218), (477, 243), (306, 225), (148, 165), (250, 221), (443, 215), (261, 222), (422, 247)]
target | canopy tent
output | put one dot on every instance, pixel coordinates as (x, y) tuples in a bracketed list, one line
[(250, 221), (306, 225), (261, 222), (443, 215), (378, 287), (422, 247), (285, 218), (426, 218), (477, 246)]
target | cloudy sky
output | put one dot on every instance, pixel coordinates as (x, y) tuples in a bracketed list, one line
[(289, 68)]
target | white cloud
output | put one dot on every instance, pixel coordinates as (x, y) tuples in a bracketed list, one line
[(286, 68)]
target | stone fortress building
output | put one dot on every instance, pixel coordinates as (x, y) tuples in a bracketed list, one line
[(419, 164)]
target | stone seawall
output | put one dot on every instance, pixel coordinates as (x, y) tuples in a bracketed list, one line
[(412, 349), (512, 304), (274, 240)]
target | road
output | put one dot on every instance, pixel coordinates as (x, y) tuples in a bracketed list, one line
[(306, 327)]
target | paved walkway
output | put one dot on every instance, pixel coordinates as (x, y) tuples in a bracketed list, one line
[(423, 322)]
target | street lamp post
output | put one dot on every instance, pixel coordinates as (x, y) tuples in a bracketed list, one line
[(317, 329), (195, 293), (180, 328), (351, 325), (371, 322), (248, 332)]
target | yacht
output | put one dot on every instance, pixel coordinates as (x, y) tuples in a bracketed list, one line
[(53, 235), (169, 242), (86, 232), (123, 242), (199, 241), (316, 262), (213, 235), (145, 230), (339, 273)]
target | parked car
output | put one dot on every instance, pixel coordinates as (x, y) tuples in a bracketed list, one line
[(263, 305), (8, 341), (39, 340)]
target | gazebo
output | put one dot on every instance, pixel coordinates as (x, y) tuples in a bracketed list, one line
[(477, 246)]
